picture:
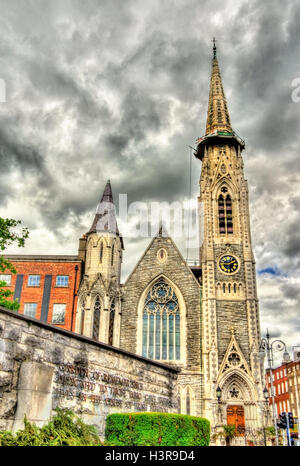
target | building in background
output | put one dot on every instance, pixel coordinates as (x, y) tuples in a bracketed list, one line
[(46, 287), (286, 383)]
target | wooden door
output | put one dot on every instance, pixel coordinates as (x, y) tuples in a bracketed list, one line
[(236, 416)]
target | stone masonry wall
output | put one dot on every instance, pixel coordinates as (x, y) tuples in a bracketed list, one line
[(42, 367), (176, 270)]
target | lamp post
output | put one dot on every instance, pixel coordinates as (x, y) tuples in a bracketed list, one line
[(219, 396), (266, 348), (266, 396)]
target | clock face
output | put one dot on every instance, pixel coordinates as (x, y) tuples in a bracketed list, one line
[(228, 264)]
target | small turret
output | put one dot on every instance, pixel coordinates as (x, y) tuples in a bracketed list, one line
[(98, 315)]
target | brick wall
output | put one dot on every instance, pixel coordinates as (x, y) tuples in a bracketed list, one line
[(47, 293)]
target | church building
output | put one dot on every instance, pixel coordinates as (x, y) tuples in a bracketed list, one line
[(204, 320)]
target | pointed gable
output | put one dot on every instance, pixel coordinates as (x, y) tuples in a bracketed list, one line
[(234, 358), (162, 260)]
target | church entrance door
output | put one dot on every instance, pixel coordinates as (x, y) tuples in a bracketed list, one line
[(236, 416)]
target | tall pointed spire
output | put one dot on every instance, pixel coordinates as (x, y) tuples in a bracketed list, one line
[(217, 115), (105, 220), (218, 126)]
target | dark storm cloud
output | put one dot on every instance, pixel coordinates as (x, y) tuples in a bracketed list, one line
[(119, 90)]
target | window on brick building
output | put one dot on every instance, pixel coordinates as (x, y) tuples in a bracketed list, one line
[(62, 280), (30, 309), (34, 280), (5, 278), (59, 312)]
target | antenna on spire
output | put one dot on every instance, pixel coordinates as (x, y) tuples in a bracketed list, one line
[(214, 48)]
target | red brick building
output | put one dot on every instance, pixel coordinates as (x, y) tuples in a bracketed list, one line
[(286, 383), (280, 386), (46, 287)]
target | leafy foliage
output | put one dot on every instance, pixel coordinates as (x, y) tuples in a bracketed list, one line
[(8, 235), (229, 432), (65, 429), (156, 429)]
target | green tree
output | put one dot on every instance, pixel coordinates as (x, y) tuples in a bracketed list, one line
[(9, 234)]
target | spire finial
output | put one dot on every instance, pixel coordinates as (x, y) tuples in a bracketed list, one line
[(214, 48)]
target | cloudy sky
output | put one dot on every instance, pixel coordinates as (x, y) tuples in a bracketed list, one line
[(113, 89)]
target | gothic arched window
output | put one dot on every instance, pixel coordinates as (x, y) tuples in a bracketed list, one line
[(225, 213), (229, 215), (96, 320), (221, 209), (111, 322), (161, 323)]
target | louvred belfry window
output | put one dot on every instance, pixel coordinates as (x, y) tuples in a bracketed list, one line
[(221, 208), (225, 214), (229, 214), (161, 323)]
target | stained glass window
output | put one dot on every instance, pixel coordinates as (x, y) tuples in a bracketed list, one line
[(161, 323)]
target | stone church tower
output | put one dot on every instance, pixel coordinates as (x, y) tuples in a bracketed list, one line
[(99, 295), (202, 319), (230, 319)]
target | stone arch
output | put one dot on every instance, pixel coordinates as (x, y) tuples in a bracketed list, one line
[(187, 400), (182, 314), (236, 386), (111, 321), (97, 308), (79, 325), (233, 227)]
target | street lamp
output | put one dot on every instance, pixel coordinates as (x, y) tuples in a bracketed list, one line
[(267, 348), (266, 396), (219, 395)]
